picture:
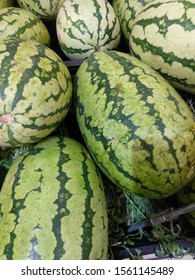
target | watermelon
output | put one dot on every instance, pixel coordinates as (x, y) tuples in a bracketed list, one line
[(163, 36), (44, 9), (6, 3), (186, 196), (19, 23), (126, 11), (35, 91), (137, 127), (84, 27), (59, 210)]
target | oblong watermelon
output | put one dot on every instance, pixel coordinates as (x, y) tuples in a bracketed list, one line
[(163, 36), (53, 205), (22, 24), (84, 27), (137, 127), (35, 91)]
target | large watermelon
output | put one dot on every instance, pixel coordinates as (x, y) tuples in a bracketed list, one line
[(126, 11), (84, 27), (137, 127), (22, 24), (163, 36), (35, 91), (53, 204), (45, 9)]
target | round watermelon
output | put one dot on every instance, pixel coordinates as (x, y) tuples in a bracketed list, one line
[(35, 91), (56, 212), (22, 24), (135, 124), (84, 27)]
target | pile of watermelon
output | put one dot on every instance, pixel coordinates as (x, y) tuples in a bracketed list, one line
[(91, 90)]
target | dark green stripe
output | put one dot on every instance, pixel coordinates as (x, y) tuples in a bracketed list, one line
[(186, 23), (28, 25), (43, 76), (38, 4), (72, 50), (6, 65), (109, 30), (30, 73), (61, 202), (88, 213), (169, 58)]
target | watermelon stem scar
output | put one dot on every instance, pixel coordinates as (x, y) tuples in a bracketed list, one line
[(7, 119)]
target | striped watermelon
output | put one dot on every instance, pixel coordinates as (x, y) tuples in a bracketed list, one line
[(19, 23), (136, 126), (84, 27), (186, 196), (35, 91), (126, 11), (163, 36), (6, 3), (59, 210), (45, 9)]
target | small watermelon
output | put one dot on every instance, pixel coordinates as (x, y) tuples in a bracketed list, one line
[(135, 124), (84, 27), (35, 91), (53, 205), (22, 24)]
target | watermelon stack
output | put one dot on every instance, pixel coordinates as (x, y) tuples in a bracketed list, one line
[(79, 109)]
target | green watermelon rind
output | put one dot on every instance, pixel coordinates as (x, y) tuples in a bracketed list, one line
[(134, 124), (22, 24), (58, 211), (163, 37), (35, 92), (85, 27)]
